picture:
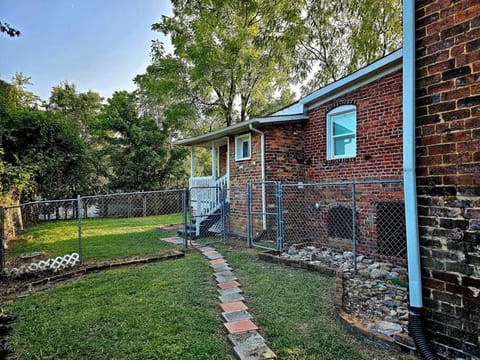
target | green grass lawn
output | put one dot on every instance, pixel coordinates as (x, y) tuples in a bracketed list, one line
[(101, 238), (166, 310), (169, 311)]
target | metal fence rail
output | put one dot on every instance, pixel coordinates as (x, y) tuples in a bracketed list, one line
[(79, 217)]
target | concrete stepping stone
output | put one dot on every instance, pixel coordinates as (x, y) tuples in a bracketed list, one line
[(205, 249), (248, 344), (225, 278), (251, 336), (232, 290), (228, 284), (213, 255), (236, 315), (233, 306), (231, 298), (224, 273), (221, 267), (210, 252), (248, 351), (217, 261), (174, 240), (240, 326)]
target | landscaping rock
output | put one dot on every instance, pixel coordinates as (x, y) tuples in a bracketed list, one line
[(378, 274), (371, 295)]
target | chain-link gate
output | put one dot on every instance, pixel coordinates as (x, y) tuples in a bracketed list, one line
[(264, 215), (206, 220)]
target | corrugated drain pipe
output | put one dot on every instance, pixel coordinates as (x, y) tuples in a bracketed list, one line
[(409, 184)]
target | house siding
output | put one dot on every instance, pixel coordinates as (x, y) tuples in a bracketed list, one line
[(448, 172)]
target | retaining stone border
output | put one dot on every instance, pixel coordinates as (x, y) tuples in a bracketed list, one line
[(247, 343), (402, 340), (173, 254)]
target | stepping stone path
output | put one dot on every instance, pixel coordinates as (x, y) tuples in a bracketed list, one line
[(247, 343)]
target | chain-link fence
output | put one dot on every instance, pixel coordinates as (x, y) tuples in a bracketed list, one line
[(90, 227), (263, 202), (363, 217), (237, 217)]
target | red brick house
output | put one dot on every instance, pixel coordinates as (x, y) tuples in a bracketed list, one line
[(349, 130), (421, 103)]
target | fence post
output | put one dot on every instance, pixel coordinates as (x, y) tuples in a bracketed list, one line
[(79, 217), (249, 214), (2, 240), (279, 197), (224, 213), (354, 229), (184, 206)]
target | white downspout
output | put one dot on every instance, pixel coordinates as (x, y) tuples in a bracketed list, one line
[(415, 325), (262, 151), (409, 180)]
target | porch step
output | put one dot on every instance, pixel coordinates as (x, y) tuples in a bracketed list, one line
[(190, 230)]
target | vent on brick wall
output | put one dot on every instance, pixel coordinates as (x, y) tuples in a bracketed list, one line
[(391, 234), (340, 222)]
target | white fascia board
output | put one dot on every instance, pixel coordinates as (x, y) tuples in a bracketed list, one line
[(361, 77), (240, 128)]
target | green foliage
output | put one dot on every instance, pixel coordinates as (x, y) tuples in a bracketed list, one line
[(8, 29), (237, 53), (341, 37), (139, 148)]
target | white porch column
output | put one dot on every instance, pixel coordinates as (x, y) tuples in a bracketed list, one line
[(192, 165), (214, 161)]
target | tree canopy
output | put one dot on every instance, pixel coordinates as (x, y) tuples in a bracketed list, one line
[(232, 60)]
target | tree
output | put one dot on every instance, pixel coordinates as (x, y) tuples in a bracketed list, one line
[(140, 152), (235, 51), (8, 29), (341, 37)]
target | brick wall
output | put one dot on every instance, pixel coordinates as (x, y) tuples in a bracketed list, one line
[(379, 135), (448, 171), (241, 172), (379, 157), (285, 156)]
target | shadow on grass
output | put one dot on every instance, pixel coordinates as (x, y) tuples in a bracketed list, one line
[(101, 238)]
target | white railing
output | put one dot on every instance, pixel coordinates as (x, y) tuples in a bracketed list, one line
[(205, 197)]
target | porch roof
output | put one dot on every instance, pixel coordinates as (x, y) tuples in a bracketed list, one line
[(242, 127)]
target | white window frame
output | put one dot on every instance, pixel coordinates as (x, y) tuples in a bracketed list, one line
[(340, 110), (241, 139)]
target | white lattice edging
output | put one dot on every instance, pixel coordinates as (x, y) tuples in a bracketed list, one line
[(55, 264)]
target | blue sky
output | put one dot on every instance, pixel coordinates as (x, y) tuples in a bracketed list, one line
[(98, 45)]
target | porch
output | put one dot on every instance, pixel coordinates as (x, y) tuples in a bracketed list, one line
[(208, 192)]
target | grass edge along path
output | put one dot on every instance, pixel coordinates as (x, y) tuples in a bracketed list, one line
[(295, 313), (165, 310)]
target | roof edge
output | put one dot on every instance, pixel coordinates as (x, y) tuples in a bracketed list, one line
[(361, 77), (240, 127)]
